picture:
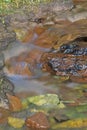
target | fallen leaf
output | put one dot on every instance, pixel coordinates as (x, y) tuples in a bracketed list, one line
[(16, 122), (15, 103), (42, 102)]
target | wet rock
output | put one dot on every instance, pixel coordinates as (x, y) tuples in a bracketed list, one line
[(77, 47), (71, 47), (64, 64), (32, 34), (29, 36), (73, 33), (47, 39), (61, 118), (68, 66), (37, 121), (67, 55), (18, 67), (24, 64)]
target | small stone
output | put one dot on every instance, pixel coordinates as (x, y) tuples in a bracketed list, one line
[(61, 118), (38, 121)]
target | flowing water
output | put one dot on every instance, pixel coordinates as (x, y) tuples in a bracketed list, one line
[(41, 82)]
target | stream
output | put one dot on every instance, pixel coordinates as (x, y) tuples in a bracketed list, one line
[(44, 55)]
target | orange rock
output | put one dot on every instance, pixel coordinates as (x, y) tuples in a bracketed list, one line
[(28, 37), (39, 30), (38, 121), (14, 102), (19, 66), (47, 39), (23, 63), (34, 56)]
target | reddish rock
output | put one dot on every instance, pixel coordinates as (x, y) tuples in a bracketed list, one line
[(37, 121), (24, 63), (32, 34), (28, 37), (47, 39), (39, 30)]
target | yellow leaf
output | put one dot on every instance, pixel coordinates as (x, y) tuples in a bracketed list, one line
[(15, 122)]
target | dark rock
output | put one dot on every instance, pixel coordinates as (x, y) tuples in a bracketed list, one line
[(69, 66), (65, 64), (80, 66), (61, 118), (76, 47), (68, 48), (85, 90)]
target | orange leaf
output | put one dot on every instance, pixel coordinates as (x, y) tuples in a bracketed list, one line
[(14, 102)]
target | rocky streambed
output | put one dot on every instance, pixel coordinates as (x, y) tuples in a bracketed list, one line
[(43, 67)]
